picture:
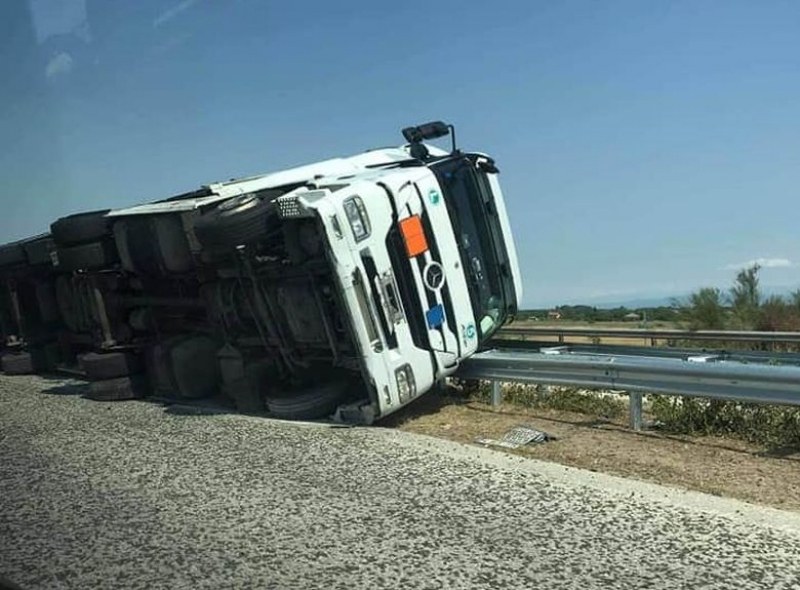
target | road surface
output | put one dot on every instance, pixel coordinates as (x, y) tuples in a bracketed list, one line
[(135, 495)]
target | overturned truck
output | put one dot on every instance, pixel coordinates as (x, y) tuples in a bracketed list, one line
[(341, 289)]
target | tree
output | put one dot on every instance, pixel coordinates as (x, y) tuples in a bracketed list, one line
[(746, 298), (794, 300), (776, 314), (705, 310)]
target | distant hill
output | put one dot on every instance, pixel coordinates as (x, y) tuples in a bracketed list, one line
[(642, 303), (632, 303)]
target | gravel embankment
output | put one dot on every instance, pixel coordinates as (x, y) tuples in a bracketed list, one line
[(134, 495)]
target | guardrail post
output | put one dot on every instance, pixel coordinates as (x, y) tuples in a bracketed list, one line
[(635, 403), (497, 395)]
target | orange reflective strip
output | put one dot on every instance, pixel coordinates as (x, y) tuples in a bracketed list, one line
[(411, 228)]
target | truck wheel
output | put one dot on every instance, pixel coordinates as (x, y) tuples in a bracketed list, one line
[(42, 357), (11, 254), (29, 361), (118, 389), (110, 365), (38, 251), (194, 366), (310, 403), (80, 228), (239, 220), (248, 390), (89, 256), (17, 363), (176, 256), (183, 366), (153, 245)]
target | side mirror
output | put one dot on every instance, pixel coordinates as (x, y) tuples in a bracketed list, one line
[(432, 130)]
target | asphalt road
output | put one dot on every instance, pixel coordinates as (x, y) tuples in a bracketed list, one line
[(133, 495)]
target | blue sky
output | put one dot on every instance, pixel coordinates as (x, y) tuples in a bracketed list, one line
[(645, 147)]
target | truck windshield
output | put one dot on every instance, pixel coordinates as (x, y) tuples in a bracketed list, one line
[(468, 209)]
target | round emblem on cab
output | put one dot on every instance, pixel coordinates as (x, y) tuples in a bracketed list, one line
[(433, 276)]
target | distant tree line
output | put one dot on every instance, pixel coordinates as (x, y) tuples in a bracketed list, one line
[(589, 314), (743, 307)]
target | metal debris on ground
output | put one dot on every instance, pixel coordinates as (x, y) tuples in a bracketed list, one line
[(519, 436)]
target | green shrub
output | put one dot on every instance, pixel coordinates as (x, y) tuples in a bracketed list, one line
[(774, 426), (567, 399)]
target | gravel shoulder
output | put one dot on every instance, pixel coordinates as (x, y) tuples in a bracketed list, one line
[(714, 465)]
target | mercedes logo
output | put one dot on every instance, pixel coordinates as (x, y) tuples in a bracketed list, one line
[(433, 276)]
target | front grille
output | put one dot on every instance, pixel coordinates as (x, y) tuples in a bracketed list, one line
[(447, 300), (404, 276)]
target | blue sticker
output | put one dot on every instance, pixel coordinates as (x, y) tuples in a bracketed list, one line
[(435, 316), (433, 196), (470, 331)]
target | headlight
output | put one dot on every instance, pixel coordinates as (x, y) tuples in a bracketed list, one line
[(357, 216), (406, 387)]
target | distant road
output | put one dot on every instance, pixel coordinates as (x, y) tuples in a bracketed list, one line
[(131, 495)]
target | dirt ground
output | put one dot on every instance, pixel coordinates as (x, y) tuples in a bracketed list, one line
[(715, 465)]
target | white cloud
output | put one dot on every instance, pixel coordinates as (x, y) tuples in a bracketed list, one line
[(763, 263), (171, 13), (61, 63)]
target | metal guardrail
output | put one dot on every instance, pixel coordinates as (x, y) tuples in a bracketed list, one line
[(723, 354), (707, 335), (695, 374)]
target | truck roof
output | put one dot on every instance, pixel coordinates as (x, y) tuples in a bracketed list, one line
[(214, 192)]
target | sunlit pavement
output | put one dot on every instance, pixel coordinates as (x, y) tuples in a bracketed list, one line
[(133, 495)]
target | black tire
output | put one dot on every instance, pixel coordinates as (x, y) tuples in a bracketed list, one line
[(119, 389), (94, 255), (37, 251), (80, 228), (184, 366), (311, 403), (159, 369), (12, 255), (18, 363), (109, 365), (248, 392), (239, 220), (153, 245), (195, 370), (176, 256)]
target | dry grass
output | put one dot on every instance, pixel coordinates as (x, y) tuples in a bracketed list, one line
[(715, 465)]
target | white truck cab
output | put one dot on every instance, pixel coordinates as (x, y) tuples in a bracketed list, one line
[(426, 266)]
